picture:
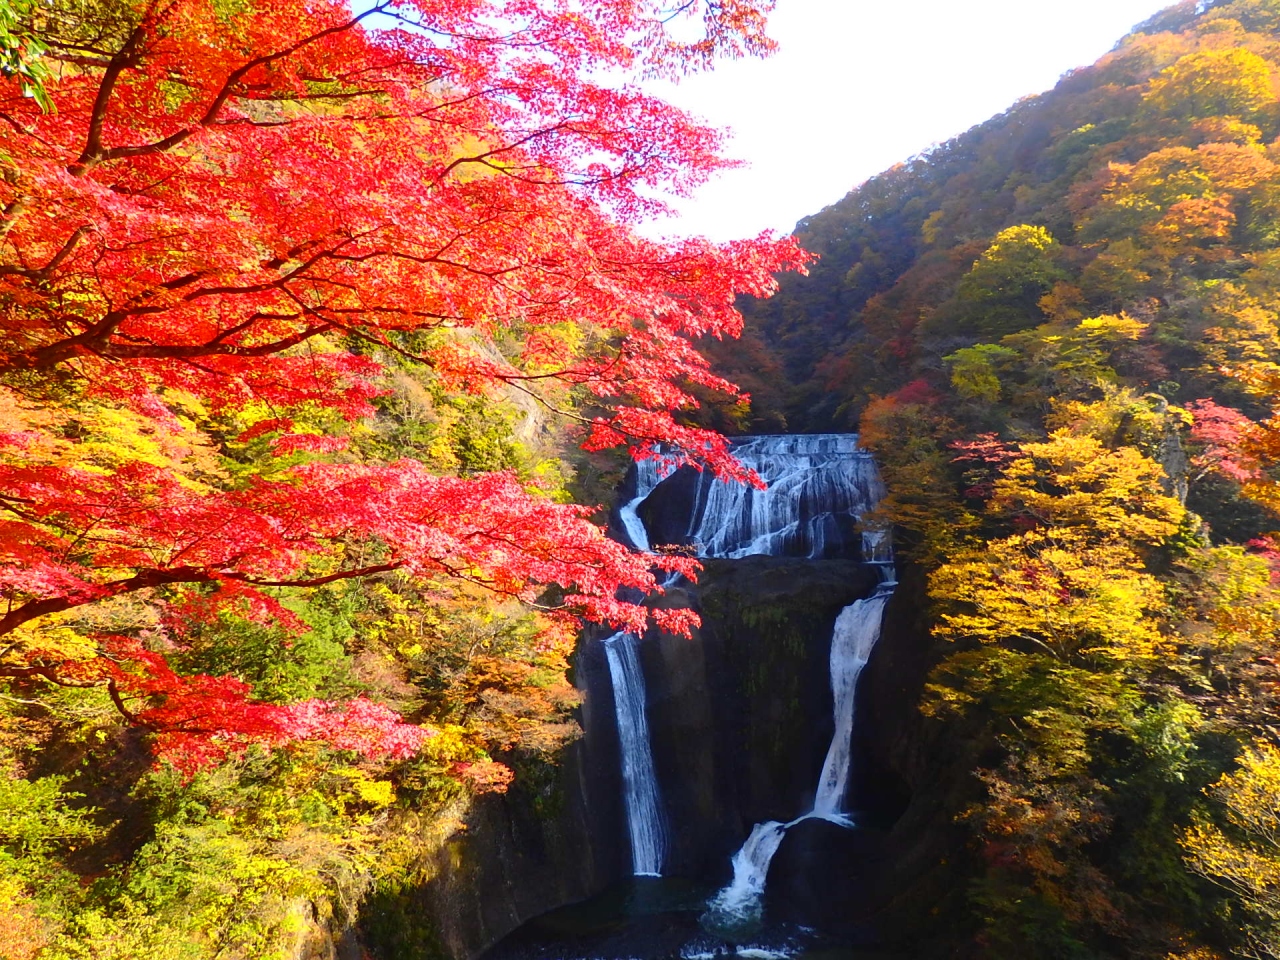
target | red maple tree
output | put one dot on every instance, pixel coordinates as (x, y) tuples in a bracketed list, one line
[(242, 209)]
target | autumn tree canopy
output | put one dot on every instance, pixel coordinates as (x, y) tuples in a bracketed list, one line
[(233, 214)]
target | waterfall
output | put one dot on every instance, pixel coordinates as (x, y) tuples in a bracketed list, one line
[(856, 631), (855, 634), (644, 809), (817, 488), (640, 784), (648, 474), (814, 484), (741, 900)]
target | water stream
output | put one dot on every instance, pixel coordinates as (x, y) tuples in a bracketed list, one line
[(641, 796), (640, 784), (740, 904), (817, 489)]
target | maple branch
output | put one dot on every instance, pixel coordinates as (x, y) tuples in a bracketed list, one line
[(317, 581), (42, 273), (113, 691), (49, 673), (94, 152), (515, 145), (95, 339), (160, 577), (17, 616), (214, 347)]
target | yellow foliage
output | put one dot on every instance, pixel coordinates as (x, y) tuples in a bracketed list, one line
[(1231, 81), (1178, 194), (1245, 858), (363, 787), (974, 371), (1067, 601), (1232, 599), (22, 935), (1077, 491), (1245, 328), (99, 438), (1123, 416), (1072, 583), (1077, 355)]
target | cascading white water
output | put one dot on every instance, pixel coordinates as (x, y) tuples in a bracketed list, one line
[(818, 486), (640, 795), (856, 631), (741, 900), (648, 474)]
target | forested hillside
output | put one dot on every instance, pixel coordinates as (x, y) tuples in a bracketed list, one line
[(1060, 332)]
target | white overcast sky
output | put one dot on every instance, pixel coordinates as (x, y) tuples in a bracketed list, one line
[(859, 85)]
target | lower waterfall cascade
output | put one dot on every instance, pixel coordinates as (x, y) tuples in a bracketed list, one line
[(856, 631), (640, 785)]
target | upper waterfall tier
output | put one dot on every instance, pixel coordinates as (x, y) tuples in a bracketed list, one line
[(818, 486)]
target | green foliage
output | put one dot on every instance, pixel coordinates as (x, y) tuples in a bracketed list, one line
[(21, 50), (974, 369), (281, 666), (1002, 290), (35, 818)]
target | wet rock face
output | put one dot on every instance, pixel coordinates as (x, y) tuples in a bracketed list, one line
[(556, 837), (827, 876)]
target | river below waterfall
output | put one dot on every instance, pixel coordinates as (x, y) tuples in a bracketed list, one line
[(655, 918)]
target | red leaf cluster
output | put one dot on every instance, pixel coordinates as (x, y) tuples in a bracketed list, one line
[(248, 210), (1225, 436)]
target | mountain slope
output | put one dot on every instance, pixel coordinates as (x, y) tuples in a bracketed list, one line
[(1060, 333)]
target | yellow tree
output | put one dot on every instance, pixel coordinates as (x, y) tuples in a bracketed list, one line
[(1244, 858), (1208, 83), (1001, 292), (1071, 582)]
